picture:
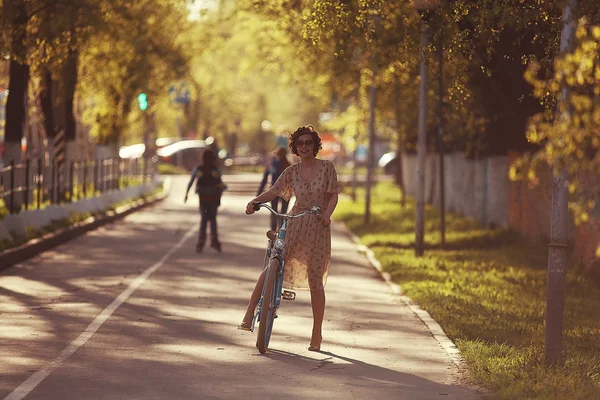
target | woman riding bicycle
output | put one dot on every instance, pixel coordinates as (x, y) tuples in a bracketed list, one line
[(308, 240)]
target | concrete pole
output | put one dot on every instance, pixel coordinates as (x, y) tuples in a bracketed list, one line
[(441, 137), (400, 146), (371, 153), (558, 246), (422, 145), (354, 167)]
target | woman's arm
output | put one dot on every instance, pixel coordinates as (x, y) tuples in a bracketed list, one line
[(333, 200), (192, 179), (331, 204)]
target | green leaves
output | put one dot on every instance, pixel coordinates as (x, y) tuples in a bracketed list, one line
[(571, 138), (129, 53)]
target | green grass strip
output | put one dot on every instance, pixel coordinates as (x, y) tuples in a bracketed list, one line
[(487, 289)]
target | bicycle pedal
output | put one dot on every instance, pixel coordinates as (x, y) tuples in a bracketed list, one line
[(287, 295)]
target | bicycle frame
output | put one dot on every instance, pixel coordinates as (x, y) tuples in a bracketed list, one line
[(275, 251)]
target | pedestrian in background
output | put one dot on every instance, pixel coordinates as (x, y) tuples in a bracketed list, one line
[(209, 188), (273, 170)]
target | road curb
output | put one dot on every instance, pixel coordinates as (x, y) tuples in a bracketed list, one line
[(51, 240), (436, 330)]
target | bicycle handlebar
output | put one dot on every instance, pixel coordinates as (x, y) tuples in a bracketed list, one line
[(314, 210)]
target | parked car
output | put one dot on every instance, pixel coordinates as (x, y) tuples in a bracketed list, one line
[(184, 153), (165, 141), (388, 162), (132, 151)]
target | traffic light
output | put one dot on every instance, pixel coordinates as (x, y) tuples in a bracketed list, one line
[(143, 100)]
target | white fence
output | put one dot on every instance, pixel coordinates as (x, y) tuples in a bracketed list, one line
[(474, 188)]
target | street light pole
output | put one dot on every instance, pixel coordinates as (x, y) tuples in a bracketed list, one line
[(372, 106), (400, 146), (371, 152), (421, 145), (424, 8), (354, 167), (558, 246), (441, 135)]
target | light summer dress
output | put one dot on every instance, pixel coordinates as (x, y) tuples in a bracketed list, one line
[(308, 241)]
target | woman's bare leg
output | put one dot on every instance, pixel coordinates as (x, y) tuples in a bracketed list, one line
[(317, 300), (254, 298)]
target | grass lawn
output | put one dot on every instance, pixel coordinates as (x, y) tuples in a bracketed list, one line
[(487, 289)]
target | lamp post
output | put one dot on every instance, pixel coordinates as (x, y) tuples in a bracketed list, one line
[(441, 134), (559, 228), (371, 153), (376, 20), (425, 8)]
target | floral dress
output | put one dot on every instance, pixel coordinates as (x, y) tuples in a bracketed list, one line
[(308, 241)]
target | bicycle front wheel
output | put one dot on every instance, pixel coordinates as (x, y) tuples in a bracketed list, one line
[(267, 310)]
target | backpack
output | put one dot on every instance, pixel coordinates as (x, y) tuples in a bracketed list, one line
[(209, 186)]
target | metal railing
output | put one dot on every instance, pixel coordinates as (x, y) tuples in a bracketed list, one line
[(34, 184)]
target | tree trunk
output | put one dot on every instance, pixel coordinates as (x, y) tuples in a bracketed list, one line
[(47, 110), (70, 145), (15, 107), (17, 86), (70, 83), (114, 121)]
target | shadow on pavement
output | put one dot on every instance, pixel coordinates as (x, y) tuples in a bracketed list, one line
[(360, 374)]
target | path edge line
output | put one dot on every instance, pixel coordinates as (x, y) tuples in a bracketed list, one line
[(37, 377)]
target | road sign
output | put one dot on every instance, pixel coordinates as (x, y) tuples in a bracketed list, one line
[(179, 92)]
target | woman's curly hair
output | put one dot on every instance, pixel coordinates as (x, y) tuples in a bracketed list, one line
[(305, 130)]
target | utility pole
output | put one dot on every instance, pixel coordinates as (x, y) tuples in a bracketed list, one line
[(441, 134), (400, 146), (354, 167), (422, 141), (558, 246), (371, 151)]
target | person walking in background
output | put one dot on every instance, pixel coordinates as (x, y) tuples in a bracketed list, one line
[(276, 166), (209, 188)]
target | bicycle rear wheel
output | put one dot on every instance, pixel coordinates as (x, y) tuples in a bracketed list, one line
[(267, 310)]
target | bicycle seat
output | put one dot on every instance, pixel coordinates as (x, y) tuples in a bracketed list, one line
[(271, 234)]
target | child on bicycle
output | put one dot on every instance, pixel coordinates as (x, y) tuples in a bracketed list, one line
[(308, 239)]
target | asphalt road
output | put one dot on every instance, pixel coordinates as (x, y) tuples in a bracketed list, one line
[(130, 311)]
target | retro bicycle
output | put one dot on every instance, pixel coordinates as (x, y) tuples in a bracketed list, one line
[(272, 291)]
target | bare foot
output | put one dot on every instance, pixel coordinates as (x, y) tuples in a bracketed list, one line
[(315, 344), (246, 324)]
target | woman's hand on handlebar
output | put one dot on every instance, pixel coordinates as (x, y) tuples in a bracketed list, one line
[(250, 207)]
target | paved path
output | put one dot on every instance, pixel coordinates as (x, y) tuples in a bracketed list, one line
[(130, 311)]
